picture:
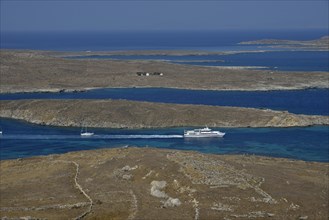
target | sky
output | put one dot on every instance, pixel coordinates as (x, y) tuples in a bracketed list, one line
[(75, 15)]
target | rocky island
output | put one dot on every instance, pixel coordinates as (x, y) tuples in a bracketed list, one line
[(50, 73), (132, 114)]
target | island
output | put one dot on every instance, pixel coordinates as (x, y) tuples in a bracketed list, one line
[(53, 74), (134, 114), (321, 44)]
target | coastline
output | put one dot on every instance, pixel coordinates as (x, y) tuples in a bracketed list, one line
[(85, 89)]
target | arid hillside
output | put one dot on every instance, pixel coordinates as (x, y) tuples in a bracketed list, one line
[(146, 183)]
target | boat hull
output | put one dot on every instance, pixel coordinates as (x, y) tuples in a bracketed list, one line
[(204, 135), (87, 134)]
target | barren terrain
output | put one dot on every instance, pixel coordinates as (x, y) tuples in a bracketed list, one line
[(26, 71), (146, 183)]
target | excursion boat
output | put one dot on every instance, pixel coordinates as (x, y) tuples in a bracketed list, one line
[(85, 133), (203, 132)]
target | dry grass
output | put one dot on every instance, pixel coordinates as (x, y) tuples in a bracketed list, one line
[(208, 186)]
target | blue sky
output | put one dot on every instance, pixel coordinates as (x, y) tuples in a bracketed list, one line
[(25, 15)]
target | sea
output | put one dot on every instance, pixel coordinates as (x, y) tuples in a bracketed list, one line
[(286, 60), (21, 139), (216, 40), (309, 101)]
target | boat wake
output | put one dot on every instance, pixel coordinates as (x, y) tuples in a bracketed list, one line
[(66, 137), (140, 136)]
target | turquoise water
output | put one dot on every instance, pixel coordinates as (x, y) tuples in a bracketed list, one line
[(21, 139), (312, 101)]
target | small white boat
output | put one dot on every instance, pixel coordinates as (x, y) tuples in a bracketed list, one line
[(0, 132), (203, 133), (85, 133)]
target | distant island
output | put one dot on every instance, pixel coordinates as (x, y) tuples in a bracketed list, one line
[(317, 44), (47, 72)]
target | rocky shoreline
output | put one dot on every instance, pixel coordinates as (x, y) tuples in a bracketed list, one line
[(146, 183), (85, 89), (133, 114)]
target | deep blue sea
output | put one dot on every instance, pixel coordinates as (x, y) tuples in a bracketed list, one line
[(21, 139), (312, 101), (224, 40), (221, 40), (272, 60)]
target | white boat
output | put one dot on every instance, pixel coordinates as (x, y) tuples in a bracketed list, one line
[(0, 132), (203, 133), (85, 133)]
